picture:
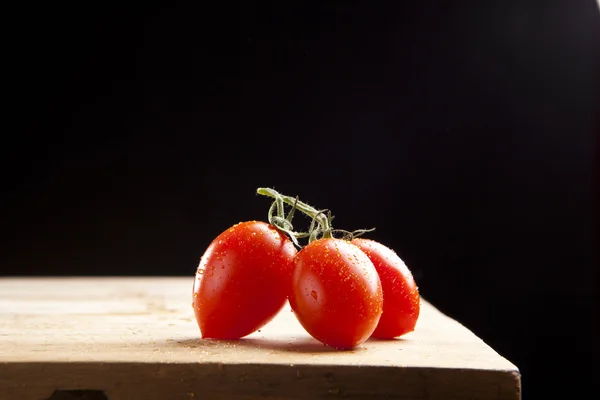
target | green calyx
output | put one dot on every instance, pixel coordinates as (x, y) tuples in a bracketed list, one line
[(320, 226)]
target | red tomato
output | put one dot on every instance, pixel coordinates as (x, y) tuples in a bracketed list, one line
[(336, 293), (242, 280), (401, 300)]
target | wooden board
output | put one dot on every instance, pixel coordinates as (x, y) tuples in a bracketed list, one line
[(136, 338)]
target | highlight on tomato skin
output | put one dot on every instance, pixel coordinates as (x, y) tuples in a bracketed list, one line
[(401, 299), (336, 293), (242, 280)]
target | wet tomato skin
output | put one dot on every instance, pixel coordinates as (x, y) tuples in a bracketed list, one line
[(242, 280), (401, 300), (336, 293)]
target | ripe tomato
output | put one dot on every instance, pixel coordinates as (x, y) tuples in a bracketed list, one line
[(336, 293), (242, 280), (401, 300)]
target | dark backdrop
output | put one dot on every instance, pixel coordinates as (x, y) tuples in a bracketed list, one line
[(463, 131)]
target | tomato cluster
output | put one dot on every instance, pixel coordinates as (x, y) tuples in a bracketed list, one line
[(343, 291)]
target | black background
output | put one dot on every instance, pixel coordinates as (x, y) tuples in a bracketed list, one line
[(463, 131)]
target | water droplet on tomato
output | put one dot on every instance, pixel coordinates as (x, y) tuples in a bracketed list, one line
[(201, 271)]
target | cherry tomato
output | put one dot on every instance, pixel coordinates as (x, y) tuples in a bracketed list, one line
[(336, 293), (401, 300), (243, 280)]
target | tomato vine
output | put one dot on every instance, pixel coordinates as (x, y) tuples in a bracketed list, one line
[(321, 219)]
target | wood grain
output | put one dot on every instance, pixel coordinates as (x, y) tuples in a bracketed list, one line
[(136, 338)]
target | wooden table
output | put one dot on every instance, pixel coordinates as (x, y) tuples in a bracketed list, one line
[(136, 338)]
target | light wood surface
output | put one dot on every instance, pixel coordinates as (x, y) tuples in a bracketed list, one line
[(136, 338)]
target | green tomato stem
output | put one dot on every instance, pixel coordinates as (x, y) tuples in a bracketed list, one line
[(320, 226), (317, 215)]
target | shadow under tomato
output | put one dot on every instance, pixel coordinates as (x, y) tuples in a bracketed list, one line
[(395, 340), (304, 345)]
